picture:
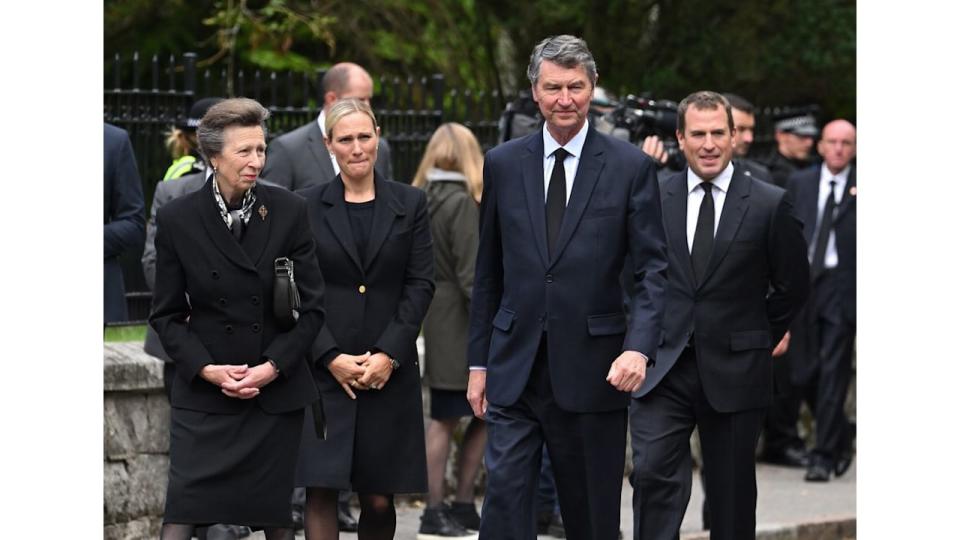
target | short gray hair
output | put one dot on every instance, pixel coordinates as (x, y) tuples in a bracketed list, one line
[(565, 50), (243, 112)]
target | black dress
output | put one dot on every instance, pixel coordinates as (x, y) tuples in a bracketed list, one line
[(232, 460), (378, 272)]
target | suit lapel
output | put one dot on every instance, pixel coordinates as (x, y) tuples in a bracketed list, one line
[(336, 217), (320, 153), (258, 228), (214, 226), (385, 212), (532, 172), (675, 221), (847, 199), (588, 172), (734, 207)]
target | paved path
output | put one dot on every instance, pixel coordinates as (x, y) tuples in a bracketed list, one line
[(783, 499)]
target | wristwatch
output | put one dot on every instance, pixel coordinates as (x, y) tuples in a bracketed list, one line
[(393, 363)]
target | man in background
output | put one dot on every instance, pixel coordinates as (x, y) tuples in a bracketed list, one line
[(122, 217)]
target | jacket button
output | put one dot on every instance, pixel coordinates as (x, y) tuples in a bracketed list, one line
[(229, 328), (362, 289), (256, 327), (549, 278), (215, 274), (255, 300), (222, 301)]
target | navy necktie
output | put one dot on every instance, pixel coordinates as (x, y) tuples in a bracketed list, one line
[(556, 199)]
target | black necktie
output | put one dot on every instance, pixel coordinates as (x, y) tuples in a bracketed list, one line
[(703, 235), (556, 199), (823, 233)]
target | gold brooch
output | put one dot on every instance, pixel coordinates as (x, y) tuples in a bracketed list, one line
[(263, 212)]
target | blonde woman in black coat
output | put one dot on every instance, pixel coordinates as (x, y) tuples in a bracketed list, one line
[(241, 381), (375, 252), (451, 173)]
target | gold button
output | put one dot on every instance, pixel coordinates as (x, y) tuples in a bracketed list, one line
[(362, 289)]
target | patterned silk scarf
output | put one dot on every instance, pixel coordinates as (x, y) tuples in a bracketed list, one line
[(234, 218)]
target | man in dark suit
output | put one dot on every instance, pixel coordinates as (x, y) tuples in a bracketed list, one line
[(552, 354), (300, 158), (737, 275), (122, 217), (826, 203)]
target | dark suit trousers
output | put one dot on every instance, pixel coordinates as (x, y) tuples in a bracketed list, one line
[(780, 427), (833, 341), (586, 451), (660, 426)]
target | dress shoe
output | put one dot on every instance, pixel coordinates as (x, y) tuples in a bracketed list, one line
[(345, 520), (465, 513), (843, 464), (791, 456), (436, 523), (819, 470)]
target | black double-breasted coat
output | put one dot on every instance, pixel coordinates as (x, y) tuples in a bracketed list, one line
[(376, 301)]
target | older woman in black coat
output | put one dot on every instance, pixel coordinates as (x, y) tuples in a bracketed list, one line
[(241, 381), (375, 252)]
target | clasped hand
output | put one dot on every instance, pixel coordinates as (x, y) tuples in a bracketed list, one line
[(368, 371), (241, 382)]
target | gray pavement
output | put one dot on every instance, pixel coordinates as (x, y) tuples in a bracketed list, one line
[(784, 501)]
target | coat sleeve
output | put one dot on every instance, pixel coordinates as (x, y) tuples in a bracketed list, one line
[(289, 347), (418, 287), (488, 276), (171, 307), (125, 228), (648, 251), (789, 268), (148, 261)]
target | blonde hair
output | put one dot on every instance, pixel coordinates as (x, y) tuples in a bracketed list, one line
[(181, 142), (345, 107), (453, 147)]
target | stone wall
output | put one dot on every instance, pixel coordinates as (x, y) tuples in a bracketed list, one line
[(136, 438)]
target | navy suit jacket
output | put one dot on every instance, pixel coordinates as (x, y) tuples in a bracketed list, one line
[(576, 296), (123, 207), (805, 187), (755, 282)]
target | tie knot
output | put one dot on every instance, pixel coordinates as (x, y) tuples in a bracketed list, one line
[(707, 186), (833, 183), (560, 154)]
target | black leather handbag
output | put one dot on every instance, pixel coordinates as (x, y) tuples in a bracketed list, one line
[(286, 297)]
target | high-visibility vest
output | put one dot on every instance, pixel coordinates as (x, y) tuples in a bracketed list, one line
[(180, 167)]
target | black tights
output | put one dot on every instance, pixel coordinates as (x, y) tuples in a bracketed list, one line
[(378, 517), (184, 531)]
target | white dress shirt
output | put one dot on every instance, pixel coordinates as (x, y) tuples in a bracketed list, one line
[(695, 192), (322, 120), (574, 148), (830, 257)]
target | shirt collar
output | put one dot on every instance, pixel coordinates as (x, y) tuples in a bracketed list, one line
[(826, 176), (721, 181), (322, 119), (574, 146)]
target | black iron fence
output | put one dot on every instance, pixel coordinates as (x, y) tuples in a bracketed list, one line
[(148, 97)]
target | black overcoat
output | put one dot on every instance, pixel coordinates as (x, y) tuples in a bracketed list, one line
[(376, 302)]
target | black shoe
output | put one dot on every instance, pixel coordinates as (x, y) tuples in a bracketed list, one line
[(819, 470), (437, 524), (345, 520), (843, 463), (791, 456), (465, 514), (555, 528)]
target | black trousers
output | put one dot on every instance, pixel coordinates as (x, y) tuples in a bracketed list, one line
[(660, 426), (586, 451), (780, 426), (832, 337)]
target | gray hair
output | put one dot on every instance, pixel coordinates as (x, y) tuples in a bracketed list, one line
[(567, 51), (704, 99), (242, 112)]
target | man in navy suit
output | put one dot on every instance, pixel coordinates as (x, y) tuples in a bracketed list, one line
[(123, 227), (738, 274), (826, 197), (552, 354)]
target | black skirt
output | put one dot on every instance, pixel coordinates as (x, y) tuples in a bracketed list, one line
[(232, 468)]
